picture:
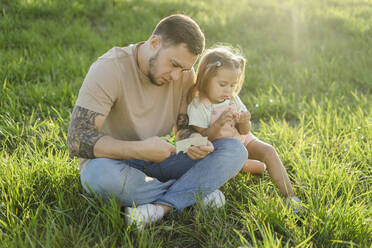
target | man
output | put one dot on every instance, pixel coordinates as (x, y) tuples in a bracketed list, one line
[(130, 97)]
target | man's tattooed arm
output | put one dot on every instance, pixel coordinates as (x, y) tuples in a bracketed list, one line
[(183, 129), (83, 133)]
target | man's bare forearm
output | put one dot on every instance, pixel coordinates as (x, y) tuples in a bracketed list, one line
[(85, 140), (82, 133)]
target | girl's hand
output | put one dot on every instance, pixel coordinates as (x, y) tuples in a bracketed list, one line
[(226, 117), (244, 123), (244, 117)]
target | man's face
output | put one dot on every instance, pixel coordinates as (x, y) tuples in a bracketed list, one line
[(168, 64)]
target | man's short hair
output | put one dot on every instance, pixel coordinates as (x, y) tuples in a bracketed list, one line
[(176, 29)]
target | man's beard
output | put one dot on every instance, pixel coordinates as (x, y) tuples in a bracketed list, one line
[(152, 69)]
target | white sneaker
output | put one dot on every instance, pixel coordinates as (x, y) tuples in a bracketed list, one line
[(143, 214), (215, 199)]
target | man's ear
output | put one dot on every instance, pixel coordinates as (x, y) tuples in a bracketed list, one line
[(155, 42)]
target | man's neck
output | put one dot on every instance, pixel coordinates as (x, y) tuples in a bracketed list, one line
[(142, 59)]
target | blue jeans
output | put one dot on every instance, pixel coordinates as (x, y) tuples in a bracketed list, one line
[(177, 181)]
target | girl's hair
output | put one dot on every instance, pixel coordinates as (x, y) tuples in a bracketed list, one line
[(211, 61)]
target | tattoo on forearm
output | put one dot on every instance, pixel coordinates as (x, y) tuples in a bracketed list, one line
[(82, 133), (183, 129)]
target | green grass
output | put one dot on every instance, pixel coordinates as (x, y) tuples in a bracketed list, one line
[(308, 86)]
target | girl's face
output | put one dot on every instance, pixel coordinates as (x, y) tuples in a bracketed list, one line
[(222, 86)]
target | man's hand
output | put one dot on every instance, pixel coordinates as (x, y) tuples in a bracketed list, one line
[(199, 152), (156, 149)]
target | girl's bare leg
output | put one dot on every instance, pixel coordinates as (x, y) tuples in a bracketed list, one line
[(266, 153), (253, 167)]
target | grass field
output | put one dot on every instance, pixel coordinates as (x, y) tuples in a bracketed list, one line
[(308, 86)]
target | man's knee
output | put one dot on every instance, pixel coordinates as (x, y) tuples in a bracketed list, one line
[(234, 149)]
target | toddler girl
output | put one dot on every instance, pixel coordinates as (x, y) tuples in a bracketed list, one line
[(216, 111)]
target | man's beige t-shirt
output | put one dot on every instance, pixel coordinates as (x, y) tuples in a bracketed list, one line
[(135, 108)]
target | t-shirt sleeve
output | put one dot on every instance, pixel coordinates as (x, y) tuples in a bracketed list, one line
[(239, 104), (100, 87), (197, 116)]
